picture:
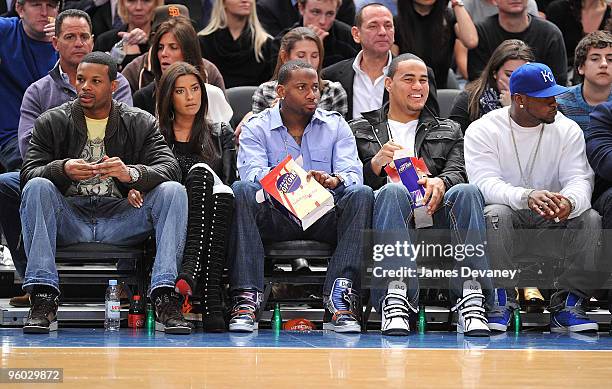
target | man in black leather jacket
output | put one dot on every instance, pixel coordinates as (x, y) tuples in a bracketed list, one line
[(83, 158), (448, 202)]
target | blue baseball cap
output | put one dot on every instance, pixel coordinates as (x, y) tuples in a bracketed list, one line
[(535, 80)]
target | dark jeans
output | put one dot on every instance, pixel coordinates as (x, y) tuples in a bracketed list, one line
[(10, 158), (256, 223), (577, 242), (10, 198)]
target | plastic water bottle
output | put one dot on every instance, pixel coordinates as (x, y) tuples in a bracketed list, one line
[(112, 320)]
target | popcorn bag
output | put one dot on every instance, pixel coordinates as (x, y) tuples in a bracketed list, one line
[(300, 200)]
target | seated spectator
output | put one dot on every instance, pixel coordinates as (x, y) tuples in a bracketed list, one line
[(575, 19), (363, 77), (491, 90), (82, 160), (278, 15), (176, 40), (303, 44), (237, 44), (131, 39), (206, 154), (450, 201), (26, 55), (139, 72), (593, 66), (429, 29), (479, 10), (514, 22), (72, 41), (527, 187), (320, 16), (297, 127)]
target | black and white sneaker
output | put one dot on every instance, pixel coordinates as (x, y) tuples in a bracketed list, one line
[(168, 315), (42, 317), (471, 318), (396, 310)]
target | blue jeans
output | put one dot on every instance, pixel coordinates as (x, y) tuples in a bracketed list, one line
[(10, 224), (461, 211), (50, 219), (10, 158), (255, 224)]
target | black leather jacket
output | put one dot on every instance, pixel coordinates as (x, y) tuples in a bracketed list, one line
[(438, 141), (131, 134)]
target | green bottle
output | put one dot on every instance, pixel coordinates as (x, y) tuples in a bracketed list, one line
[(277, 321), (422, 323), (517, 320), (150, 322)]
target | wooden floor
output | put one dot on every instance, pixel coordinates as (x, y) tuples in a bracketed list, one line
[(314, 368)]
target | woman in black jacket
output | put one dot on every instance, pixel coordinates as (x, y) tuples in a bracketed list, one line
[(207, 156)]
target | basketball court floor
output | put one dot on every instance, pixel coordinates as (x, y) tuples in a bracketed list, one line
[(93, 358)]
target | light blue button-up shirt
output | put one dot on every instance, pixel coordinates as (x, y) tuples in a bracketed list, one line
[(328, 145)]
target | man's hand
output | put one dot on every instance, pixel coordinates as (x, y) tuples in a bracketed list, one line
[(112, 167), (324, 179), (135, 198), (321, 33), (546, 204), (434, 192), (49, 29), (78, 170), (384, 156), (565, 207)]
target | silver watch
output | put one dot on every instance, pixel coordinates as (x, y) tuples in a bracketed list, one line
[(134, 174)]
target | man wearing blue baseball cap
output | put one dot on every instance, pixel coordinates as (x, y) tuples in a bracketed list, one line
[(530, 164)]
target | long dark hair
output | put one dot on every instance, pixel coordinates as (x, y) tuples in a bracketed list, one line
[(406, 26), (200, 138), (186, 37), (506, 51)]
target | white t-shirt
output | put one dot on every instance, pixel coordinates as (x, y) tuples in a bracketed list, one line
[(367, 95), (561, 164), (404, 133)]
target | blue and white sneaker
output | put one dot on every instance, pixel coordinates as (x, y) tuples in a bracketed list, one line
[(500, 315), (343, 305), (572, 318)]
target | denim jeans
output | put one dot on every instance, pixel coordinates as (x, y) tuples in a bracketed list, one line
[(461, 212), (10, 198), (10, 158), (255, 224), (578, 243), (50, 219)]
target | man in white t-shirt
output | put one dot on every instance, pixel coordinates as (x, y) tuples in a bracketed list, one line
[(530, 164), (449, 203)]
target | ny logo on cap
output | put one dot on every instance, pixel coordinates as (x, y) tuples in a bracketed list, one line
[(174, 11), (547, 76)]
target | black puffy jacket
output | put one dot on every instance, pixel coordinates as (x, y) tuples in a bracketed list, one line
[(131, 134), (438, 141)]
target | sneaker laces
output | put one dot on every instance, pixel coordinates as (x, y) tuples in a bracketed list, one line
[(471, 306), (245, 303), (577, 309), (44, 303), (169, 307), (395, 305)]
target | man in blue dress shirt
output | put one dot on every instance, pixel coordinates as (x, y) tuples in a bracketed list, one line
[(325, 142)]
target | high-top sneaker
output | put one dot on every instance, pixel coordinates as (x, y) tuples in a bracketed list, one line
[(199, 185), (168, 315), (396, 310), (568, 314), (501, 313), (243, 317), (42, 317), (471, 319), (342, 308)]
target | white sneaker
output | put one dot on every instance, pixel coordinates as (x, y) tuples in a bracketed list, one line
[(395, 310), (471, 318)]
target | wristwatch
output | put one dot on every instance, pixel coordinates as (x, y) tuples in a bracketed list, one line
[(134, 174), (457, 3), (339, 177), (572, 203)]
